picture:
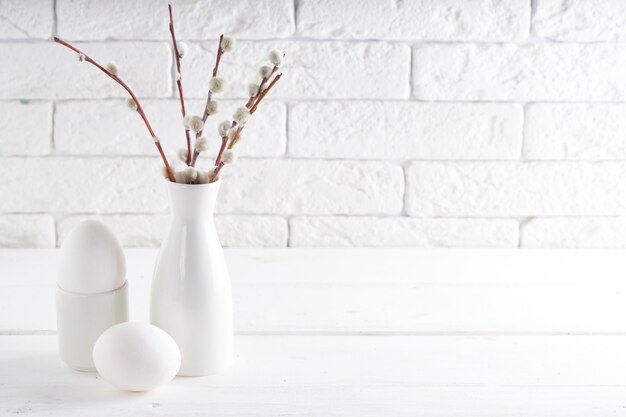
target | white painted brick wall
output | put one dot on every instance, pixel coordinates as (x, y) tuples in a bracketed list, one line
[(581, 20), (195, 20), (415, 123), (401, 130), (297, 186), (265, 135), (590, 232), (443, 20), (81, 185), (141, 230), (26, 128), (576, 131), (402, 231), (516, 189), (317, 70), (19, 22), (23, 230), (520, 72), (44, 70)]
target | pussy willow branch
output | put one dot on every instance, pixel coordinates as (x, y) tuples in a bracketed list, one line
[(205, 114), (115, 78), (218, 161), (218, 57), (179, 82), (194, 158), (219, 164), (225, 138), (264, 93), (254, 107), (261, 86), (216, 172)]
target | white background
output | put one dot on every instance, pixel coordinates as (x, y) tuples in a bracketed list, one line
[(406, 123)]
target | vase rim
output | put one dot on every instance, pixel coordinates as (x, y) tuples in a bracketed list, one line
[(180, 185)]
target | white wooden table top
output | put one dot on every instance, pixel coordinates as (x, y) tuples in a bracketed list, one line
[(357, 332)]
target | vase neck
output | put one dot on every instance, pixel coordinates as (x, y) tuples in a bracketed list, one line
[(192, 201)]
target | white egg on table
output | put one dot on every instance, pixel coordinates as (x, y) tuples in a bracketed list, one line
[(136, 356)]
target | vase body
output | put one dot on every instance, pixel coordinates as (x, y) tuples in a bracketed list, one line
[(191, 292)]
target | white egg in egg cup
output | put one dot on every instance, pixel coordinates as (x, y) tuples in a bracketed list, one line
[(91, 293)]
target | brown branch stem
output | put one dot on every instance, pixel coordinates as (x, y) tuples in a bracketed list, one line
[(264, 93), (261, 87), (235, 138), (218, 160), (194, 158), (218, 57), (179, 82), (205, 115), (216, 172), (115, 78)]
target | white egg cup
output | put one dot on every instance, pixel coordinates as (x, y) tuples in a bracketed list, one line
[(82, 318)]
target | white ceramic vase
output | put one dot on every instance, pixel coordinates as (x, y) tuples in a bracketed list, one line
[(191, 293)]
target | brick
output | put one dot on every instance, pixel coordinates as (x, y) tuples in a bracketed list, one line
[(26, 20), (66, 185), (516, 189), (576, 131), (51, 71), (25, 128), (119, 19), (401, 232), (406, 130), (581, 21), (422, 20), (26, 231), (251, 231), (605, 232), (280, 186), (148, 230), (108, 128), (312, 69), (133, 185), (535, 72)]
